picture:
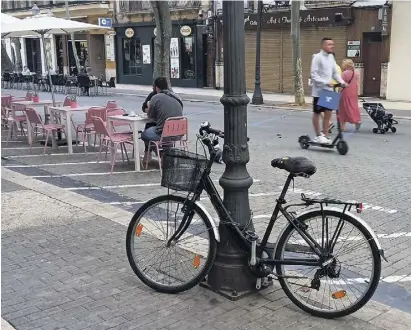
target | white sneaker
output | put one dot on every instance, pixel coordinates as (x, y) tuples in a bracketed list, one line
[(321, 139)]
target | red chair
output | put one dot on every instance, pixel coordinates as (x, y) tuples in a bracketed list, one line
[(112, 104), (35, 120), (67, 101), (111, 141), (88, 128), (175, 130), (117, 112), (7, 117)]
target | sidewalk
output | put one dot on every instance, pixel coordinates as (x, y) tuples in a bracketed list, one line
[(270, 99), (65, 267)]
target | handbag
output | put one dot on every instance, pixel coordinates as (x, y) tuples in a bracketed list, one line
[(331, 99)]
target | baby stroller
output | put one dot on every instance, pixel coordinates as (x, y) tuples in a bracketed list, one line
[(382, 118)]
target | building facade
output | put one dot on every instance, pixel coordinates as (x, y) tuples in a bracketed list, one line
[(400, 49), (90, 47), (189, 50), (360, 32)]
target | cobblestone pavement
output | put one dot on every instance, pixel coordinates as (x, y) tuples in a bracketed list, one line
[(64, 267), (376, 171)]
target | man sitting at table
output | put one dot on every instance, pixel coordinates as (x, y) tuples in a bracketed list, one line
[(163, 105)]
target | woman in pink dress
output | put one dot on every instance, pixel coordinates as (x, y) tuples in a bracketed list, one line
[(349, 112)]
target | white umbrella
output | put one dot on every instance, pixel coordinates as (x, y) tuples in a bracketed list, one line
[(7, 19), (39, 25)]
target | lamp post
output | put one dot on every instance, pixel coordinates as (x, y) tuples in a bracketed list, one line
[(258, 96), (230, 274)]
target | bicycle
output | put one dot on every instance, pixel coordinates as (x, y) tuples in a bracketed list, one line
[(193, 237)]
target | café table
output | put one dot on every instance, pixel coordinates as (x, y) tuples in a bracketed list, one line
[(66, 113), (137, 123)]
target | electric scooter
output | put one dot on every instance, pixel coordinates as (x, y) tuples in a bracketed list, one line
[(338, 142)]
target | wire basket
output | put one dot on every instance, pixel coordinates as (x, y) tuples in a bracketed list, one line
[(182, 170)]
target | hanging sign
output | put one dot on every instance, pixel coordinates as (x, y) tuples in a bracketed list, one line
[(353, 48), (185, 30), (129, 32), (155, 32)]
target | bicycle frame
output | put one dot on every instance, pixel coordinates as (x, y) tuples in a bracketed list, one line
[(207, 185)]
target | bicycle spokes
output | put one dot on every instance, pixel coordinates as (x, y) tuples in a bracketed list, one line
[(342, 278)]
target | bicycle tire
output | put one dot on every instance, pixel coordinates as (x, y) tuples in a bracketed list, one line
[(375, 253), (208, 263)]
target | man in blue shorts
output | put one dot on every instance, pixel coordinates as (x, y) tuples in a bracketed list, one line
[(323, 72)]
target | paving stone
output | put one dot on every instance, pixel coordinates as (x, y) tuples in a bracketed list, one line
[(78, 263)]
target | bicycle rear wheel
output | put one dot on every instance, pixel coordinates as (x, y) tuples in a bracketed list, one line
[(349, 274), (179, 266)]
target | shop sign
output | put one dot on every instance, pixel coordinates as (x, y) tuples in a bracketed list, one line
[(185, 30), (106, 22), (317, 17), (353, 48), (129, 32)]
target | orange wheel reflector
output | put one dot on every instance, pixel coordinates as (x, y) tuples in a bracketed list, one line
[(139, 229), (339, 294), (196, 261)]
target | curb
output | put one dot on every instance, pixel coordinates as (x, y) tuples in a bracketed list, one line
[(6, 325), (266, 106)]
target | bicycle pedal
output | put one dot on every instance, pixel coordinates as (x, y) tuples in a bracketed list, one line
[(251, 236)]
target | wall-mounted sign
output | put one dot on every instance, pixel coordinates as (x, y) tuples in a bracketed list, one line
[(317, 17), (129, 32), (146, 54), (353, 48), (384, 23), (107, 22), (111, 33), (175, 58), (185, 30), (110, 54)]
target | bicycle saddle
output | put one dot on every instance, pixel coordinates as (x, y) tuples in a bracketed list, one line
[(295, 165)]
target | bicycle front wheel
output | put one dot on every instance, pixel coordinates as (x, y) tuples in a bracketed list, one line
[(349, 269), (175, 267)]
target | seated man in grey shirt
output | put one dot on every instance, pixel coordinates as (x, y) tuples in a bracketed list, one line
[(163, 105)]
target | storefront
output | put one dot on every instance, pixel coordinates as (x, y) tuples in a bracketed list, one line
[(135, 54), (276, 45)]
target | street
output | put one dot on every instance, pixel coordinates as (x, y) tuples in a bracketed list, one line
[(63, 228)]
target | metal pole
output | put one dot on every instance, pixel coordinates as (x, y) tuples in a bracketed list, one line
[(258, 96), (230, 274), (48, 72)]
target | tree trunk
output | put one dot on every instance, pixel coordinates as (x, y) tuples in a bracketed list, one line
[(19, 62), (73, 43), (6, 63), (162, 41), (297, 67)]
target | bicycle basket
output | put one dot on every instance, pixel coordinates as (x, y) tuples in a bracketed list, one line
[(182, 170)]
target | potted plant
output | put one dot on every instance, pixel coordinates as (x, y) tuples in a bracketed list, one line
[(36, 97), (73, 101)]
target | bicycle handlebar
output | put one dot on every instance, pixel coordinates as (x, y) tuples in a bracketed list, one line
[(206, 128)]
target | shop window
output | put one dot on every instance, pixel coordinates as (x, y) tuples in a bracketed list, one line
[(187, 58), (132, 57)]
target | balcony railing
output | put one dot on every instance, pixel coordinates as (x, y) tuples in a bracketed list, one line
[(134, 6)]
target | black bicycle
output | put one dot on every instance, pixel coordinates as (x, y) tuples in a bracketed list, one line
[(327, 259)]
